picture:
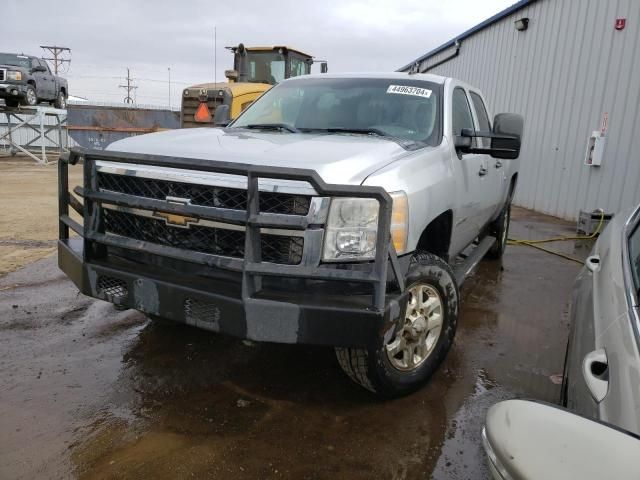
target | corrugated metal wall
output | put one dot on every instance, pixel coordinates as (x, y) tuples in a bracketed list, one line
[(562, 74), (24, 134)]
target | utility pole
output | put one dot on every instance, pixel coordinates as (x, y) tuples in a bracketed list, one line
[(215, 55), (57, 53), (130, 88), (169, 69)]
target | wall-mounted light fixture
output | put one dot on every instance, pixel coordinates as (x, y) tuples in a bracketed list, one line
[(522, 24)]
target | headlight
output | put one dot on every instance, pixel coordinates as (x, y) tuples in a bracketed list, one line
[(13, 75), (352, 228)]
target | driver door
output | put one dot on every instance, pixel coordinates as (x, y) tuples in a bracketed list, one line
[(472, 178), (43, 87)]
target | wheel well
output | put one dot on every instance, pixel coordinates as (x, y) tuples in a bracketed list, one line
[(512, 185), (64, 91), (436, 238), (32, 83)]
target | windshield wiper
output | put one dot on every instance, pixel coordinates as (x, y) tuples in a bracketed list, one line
[(404, 142), (368, 131), (272, 126)]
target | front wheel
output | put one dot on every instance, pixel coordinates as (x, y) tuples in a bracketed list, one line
[(405, 362), (30, 97)]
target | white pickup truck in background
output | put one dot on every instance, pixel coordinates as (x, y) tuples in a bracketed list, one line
[(331, 212)]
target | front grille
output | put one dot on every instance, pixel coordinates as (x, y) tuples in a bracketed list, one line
[(214, 241), (204, 195), (189, 106), (2, 74)]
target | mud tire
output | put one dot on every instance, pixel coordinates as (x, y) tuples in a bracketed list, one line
[(30, 98), (60, 101), (372, 369)]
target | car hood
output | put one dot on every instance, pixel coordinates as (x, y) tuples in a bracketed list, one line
[(338, 158), (13, 67)]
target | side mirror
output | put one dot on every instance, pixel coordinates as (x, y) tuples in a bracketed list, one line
[(222, 116), (507, 135), (39, 68), (232, 75), (463, 141)]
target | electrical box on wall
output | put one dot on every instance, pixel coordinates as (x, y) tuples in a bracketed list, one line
[(595, 149)]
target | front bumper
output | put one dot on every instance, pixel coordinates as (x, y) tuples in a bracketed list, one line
[(248, 297), (12, 90), (217, 305)]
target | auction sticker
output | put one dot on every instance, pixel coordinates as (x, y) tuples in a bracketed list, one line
[(406, 90)]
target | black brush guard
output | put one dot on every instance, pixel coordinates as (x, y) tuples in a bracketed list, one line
[(340, 320)]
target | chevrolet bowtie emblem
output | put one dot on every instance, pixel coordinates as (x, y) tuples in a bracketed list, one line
[(175, 219)]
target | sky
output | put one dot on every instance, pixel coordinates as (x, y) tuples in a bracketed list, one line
[(151, 37)]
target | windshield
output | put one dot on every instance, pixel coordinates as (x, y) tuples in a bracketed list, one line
[(404, 109), (13, 59), (265, 67)]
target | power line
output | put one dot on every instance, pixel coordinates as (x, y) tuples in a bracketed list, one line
[(130, 88), (57, 53), (138, 79)]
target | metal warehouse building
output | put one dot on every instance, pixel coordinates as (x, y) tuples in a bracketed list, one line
[(572, 69)]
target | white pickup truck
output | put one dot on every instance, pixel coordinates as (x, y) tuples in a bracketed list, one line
[(330, 212)]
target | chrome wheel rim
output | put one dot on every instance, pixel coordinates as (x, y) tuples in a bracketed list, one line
[(63, 102), (31, 97), (417, 338)]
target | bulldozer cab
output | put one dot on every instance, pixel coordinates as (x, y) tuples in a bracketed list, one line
[(255, 70), (268, 65)]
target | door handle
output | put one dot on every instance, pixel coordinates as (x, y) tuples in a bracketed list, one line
[(595, 369), (498, 164), (593, 263), (483, 171)]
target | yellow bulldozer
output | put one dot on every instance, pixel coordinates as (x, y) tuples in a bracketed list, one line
[(255, 70)]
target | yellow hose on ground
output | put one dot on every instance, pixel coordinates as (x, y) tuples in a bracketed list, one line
[(534, 243)]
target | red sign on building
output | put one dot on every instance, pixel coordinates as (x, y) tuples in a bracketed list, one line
[(620, 23)]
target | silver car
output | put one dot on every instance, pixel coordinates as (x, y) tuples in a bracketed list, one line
[(602, 366)]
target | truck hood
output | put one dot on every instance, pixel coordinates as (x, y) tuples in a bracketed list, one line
[(14, 67), (338, 158)]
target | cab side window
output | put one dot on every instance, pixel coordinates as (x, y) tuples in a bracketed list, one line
[(483, 118), (461, 117), (39, 63)]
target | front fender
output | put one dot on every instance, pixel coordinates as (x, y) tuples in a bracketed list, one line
[(427, 178)]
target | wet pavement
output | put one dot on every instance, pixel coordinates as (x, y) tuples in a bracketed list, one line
[(90, 392)]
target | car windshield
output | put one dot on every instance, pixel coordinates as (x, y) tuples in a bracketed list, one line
[(13, 59), (405, 109)]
